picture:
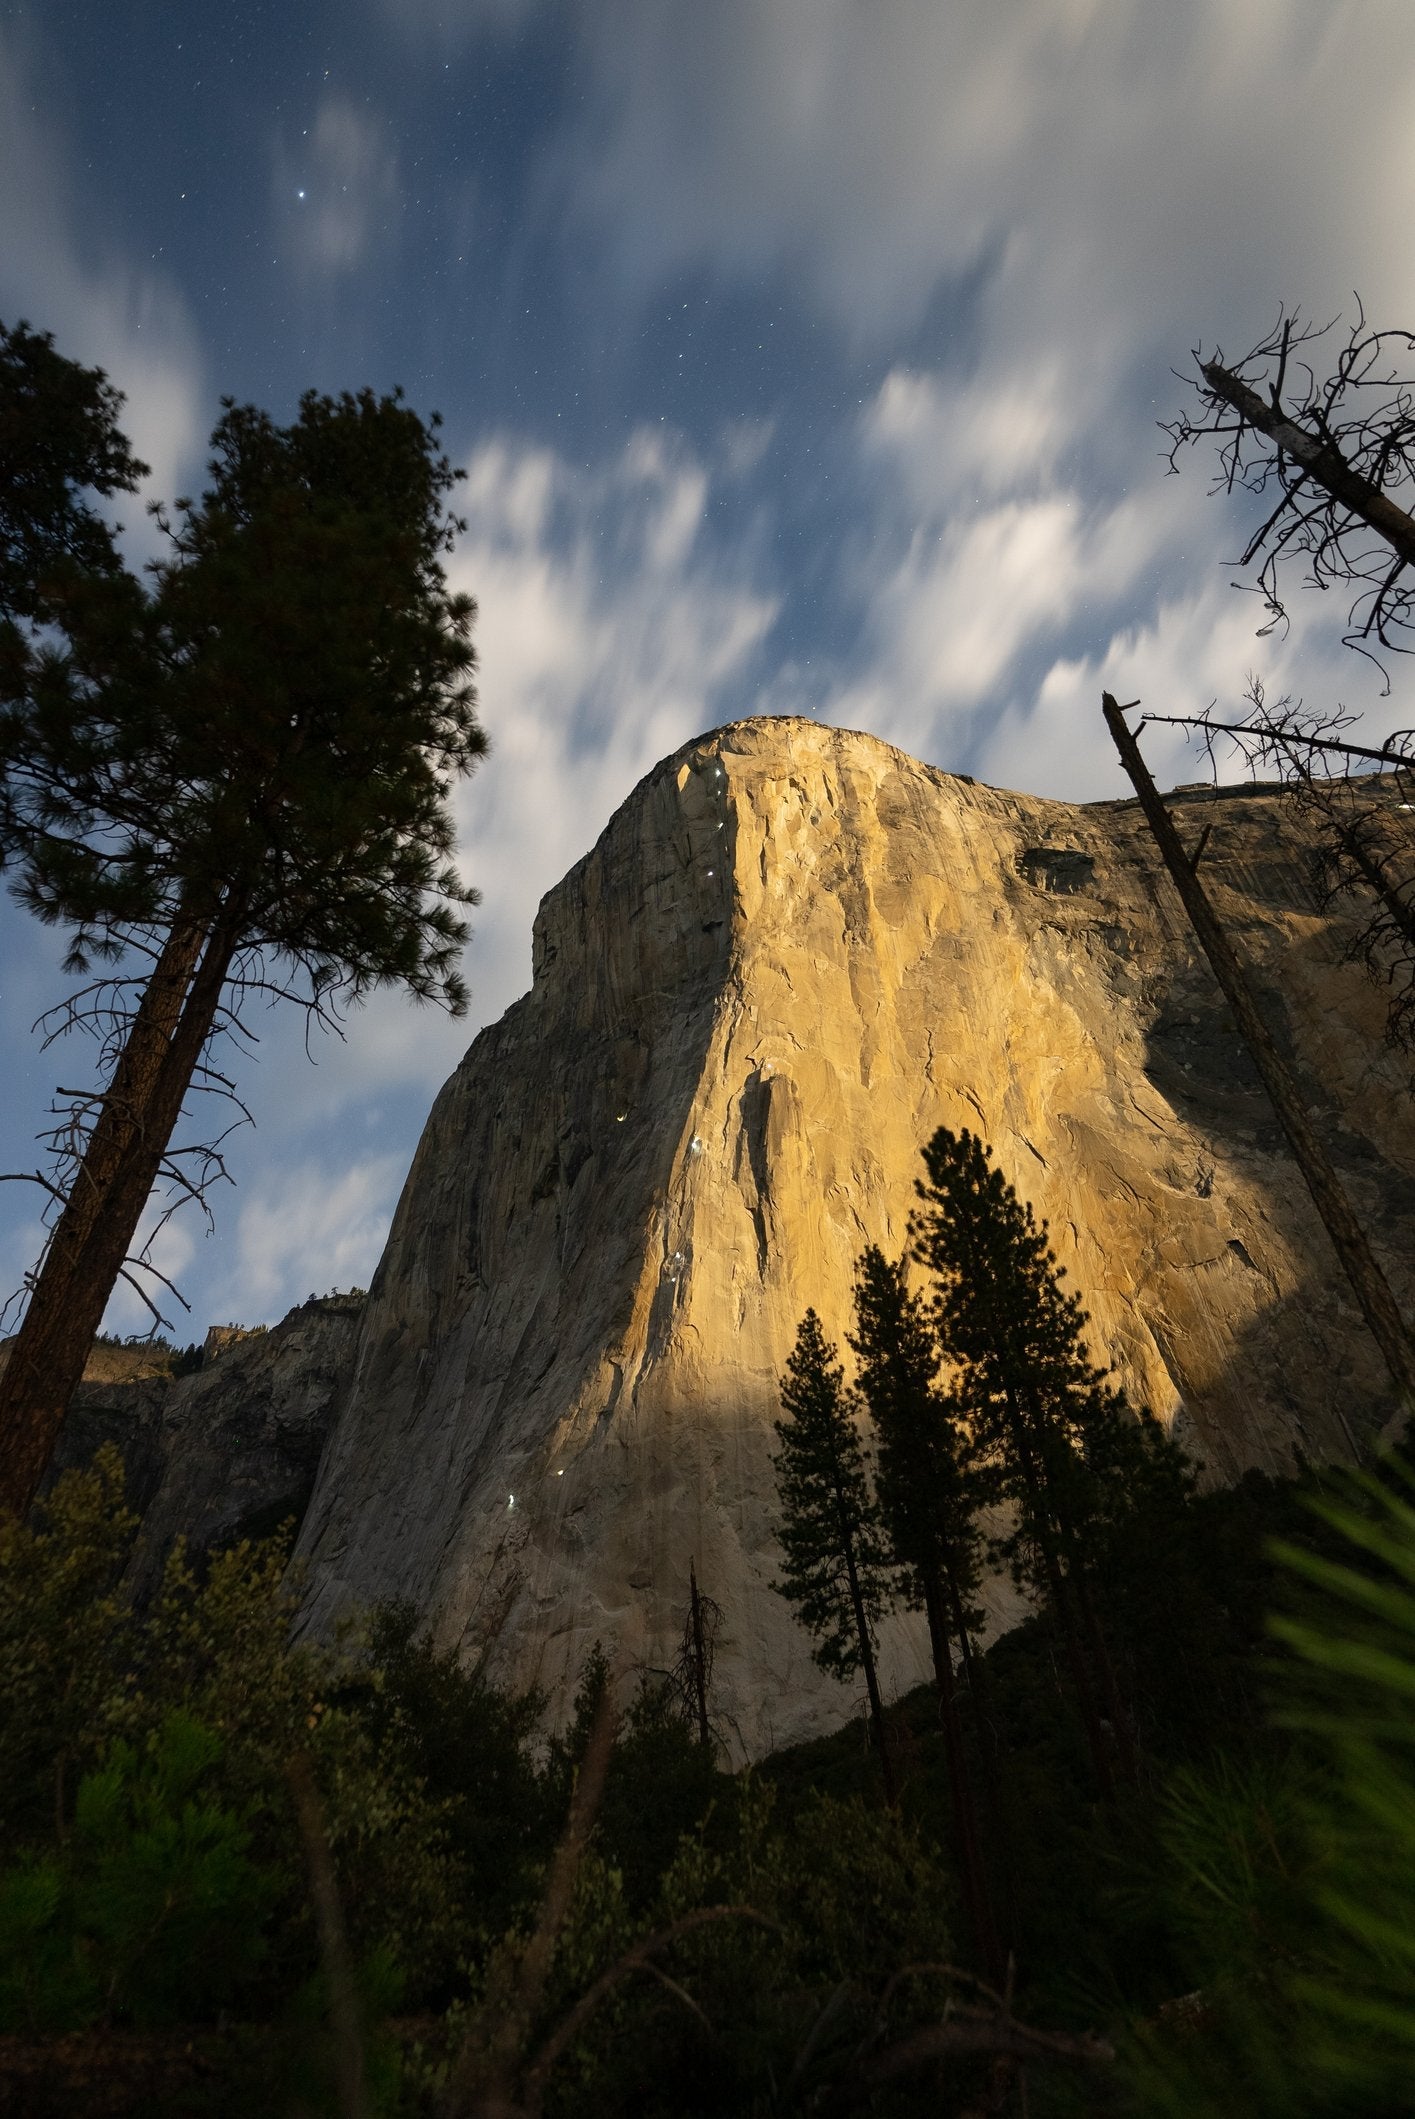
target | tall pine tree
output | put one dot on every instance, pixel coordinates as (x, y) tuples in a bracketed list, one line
[(1066, 1446), (930, 1487), (836, 1572), (239, 776)]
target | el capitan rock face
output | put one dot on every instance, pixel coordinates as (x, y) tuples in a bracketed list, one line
[(793, 953)]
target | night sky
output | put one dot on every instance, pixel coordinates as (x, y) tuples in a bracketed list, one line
[(804, 356)]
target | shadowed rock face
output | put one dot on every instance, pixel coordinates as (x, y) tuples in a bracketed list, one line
[(793, 954), (226, 1453)]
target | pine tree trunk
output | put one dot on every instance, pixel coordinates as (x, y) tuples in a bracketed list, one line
[(867, 1664), (1120, 1720), (1058, 1593), (74, 1287), (965, 1817), (44, 1328), (960, 1630)]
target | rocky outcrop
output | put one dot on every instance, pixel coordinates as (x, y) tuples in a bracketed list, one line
[(229, 1451), (793, 953)]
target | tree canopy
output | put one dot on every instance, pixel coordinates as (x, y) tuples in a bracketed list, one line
[(235, 774)]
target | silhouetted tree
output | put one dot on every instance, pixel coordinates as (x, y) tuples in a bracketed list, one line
[(1065, 1444), (836, 1572), (59, 438), (241, 772), (690, 1679), (930, 1487)]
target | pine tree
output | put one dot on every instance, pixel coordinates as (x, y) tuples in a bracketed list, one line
[(930, 1487), (1066, 1446), (836, 1573), (59, 438), (241, 773), (930, 1481)]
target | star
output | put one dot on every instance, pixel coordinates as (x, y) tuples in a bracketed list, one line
[(299, 194)]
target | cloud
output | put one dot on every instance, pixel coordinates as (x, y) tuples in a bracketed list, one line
[(1197, 648), (62, 271), (1051, 204), (336, 188), (611, 631), (941, 437), (305, 1229), (976, 553), (1105, 167)]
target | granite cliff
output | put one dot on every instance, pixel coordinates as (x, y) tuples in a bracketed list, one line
[(792, 954)]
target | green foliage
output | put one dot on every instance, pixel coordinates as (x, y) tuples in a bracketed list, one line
[(835, 1568), (662, 1785), (151, 1909), (1358, 1649), (466, 1749), (94, 1693), (1292, 1889), (65, 1637), (845, 1895), (1038, 1408), (306, 2046), (264, 740)]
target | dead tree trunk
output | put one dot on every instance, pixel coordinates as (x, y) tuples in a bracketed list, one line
[(699, 1659), (1358, 1261), (1321, 460)]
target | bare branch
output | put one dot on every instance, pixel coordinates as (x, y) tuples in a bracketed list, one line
[(966, 2030), (1337, 452), (1288, 738), (159, 1322), (1365, 845), (29, 1177), (637, 1959)]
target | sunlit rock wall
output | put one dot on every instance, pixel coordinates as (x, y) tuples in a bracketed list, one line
[(793, 954)]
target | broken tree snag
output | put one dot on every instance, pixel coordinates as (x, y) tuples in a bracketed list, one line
[(1358, 1261), (1322, 459)]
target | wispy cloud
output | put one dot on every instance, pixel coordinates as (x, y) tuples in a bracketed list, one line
[(610, 631), (1086, 189), (1108, 166), (60, 270), (335, 188), (303, 1230)]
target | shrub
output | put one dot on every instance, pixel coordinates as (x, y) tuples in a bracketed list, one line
[(151, 1911)]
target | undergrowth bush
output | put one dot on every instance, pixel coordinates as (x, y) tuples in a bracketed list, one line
[(146, 1751)]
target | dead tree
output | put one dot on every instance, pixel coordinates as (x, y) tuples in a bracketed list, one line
[(1336, 453), (691, 1676), (1364, 826), (1368, 1283)]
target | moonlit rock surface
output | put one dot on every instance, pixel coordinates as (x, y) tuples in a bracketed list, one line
[(714, 1096)]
